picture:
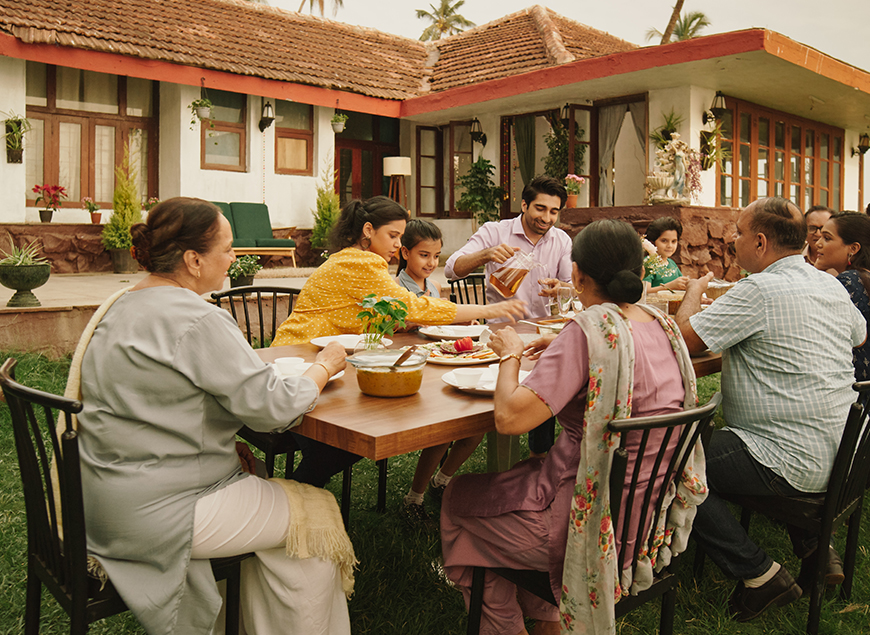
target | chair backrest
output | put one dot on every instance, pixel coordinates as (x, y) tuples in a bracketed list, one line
[(227, 211), (251, 220), (60, 552), (469, 290), (282, 299), (640, 515)]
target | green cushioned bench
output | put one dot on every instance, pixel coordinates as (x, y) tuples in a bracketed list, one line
[(252, 231)]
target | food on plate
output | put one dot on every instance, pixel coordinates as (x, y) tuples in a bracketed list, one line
[(463, 345), (448, 350)]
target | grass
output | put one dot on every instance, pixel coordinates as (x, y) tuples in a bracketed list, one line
[(399, 588)]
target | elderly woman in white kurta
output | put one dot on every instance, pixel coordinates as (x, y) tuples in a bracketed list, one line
[(167, 380)]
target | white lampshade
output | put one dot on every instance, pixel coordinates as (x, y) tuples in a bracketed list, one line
[(397, 166)]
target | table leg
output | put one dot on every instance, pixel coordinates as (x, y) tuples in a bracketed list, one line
[(345, 495), (502, 451), (382, 486)]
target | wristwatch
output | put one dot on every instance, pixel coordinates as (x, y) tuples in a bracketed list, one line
[(507, 357)]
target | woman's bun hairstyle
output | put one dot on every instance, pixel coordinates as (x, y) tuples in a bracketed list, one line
[(609, 251), (174, 226)]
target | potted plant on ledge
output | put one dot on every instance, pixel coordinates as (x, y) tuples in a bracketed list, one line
[(573, 183), (16, 128), (243, 270), (338, 122), (50, 196), (126, 212), (93, 210), (23, 270)]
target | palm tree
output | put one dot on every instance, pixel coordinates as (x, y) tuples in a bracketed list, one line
[(445, 20), (687, 27), (321, 4)]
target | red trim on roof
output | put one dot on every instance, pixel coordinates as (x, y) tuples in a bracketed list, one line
[(814, 60), (130, 66)]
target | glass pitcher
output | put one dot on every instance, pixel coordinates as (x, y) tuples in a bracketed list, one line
[(508, 278)]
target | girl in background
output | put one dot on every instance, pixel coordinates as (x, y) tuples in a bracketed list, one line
[(665, 234), (419, 256)]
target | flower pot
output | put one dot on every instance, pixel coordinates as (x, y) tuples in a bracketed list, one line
[(14, 156), (242, 281), (337, 126), (95, 217), (24, 278), (571, 203), (45, 215), (123, 261), (203, 112)]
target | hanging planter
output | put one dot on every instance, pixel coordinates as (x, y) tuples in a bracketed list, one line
[(16, 128), (338, 122), (199, 109)]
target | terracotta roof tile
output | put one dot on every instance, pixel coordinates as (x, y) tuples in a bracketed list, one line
[(585, 42)]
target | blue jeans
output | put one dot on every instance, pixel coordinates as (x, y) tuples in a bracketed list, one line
[(732, 469)]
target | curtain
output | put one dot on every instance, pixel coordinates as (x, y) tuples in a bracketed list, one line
[(524, 135), (637, 109), (609, 124)]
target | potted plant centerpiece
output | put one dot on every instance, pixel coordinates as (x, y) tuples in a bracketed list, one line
[(23, 269), (126, 212), (377, 371), (199, 109), (338, 121), (243, 270), (573, 184), (93, 210), (50, 196), (16, 128)]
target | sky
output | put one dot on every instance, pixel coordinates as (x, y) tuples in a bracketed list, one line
[(835, 27)]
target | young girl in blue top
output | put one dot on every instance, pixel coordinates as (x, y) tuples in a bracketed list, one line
[(419, 257), (665, 234)]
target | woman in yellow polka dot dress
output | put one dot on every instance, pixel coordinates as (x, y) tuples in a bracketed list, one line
[(368, 233)]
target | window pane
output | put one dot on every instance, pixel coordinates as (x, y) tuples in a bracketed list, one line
[(838, 145), (367, 173), (725, 190), (795, 168), (582, 121), (745, 127), (427, 202), (86, 90), (823, 174), (427, 142), (227, 107), (808, 145), (427, 173), (809, 170), (823, 146), (744, 192), (345, 175), (795, 195), (763, 131), (762, 164), (728, 165), (104, 164), (37, 92), (823, 197), (35, 156), (70, 159), (835, 189), (139, 160), (728, 124), (139, 92), (358, 126), (292, 154), (778, 189), (796, 139), (389, 130), (222, 148), (745, 167), (462, 139), (808, 197), (289, 114), (779, 135), (762, 188), (779, 166)]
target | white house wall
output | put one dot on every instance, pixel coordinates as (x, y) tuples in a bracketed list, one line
[(12, 175)]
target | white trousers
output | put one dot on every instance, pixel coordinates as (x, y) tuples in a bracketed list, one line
[(280, 594)]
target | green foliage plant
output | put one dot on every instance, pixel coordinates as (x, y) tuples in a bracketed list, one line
[(482, 197), (381, 317), (16, 127), (556, 163), (338, 117), (244, 266), (661, 135), (126, 206), (445, 18), (23, 256), (197, 103), (327, 206)]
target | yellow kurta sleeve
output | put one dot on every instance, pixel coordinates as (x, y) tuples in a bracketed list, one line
[(329, 301)]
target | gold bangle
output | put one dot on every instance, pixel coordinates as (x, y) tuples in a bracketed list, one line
[(323, 366), (507, 357)]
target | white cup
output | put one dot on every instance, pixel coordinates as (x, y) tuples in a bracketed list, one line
[(289, 365), (467, 377)]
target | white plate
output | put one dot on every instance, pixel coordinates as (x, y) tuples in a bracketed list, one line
[(485, 385), (348, 341), (461, 361), (453, 332), (301, 368)]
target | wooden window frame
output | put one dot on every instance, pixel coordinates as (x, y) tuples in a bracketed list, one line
[(53, 116), (298, 133), (207, 126), (452, 211), (754, 112), (438, 157)]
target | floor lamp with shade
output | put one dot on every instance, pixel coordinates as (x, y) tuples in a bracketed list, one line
[(397, 168)]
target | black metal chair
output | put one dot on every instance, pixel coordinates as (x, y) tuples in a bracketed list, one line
[(821, 514), (689, 425), (469, 290), (56, 544)]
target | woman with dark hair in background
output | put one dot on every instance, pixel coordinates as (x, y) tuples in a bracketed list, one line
[(167, 380), (520, 518), (844, 250)]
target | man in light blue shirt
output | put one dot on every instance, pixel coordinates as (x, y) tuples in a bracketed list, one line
[(786, 334)]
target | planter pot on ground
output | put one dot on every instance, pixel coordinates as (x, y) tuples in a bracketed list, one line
[(242, 281), (24, 278), (14, 156), (96, 217), (45, 215), (123, 262)]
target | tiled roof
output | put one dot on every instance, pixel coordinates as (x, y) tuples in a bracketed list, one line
[(228, 35), (247, 38), (524, 41)]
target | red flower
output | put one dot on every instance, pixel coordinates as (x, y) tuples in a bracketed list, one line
[(50, 195)]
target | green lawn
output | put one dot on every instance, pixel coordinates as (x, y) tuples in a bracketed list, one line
[(399, 588)]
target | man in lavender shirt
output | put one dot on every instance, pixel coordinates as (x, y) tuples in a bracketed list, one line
[(533, 231)]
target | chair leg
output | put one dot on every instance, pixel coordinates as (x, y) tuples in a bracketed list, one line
[(33, 597), (270, 463), (666, 619), (382, 486), (290, 464), (234, 587), (475, 601), (851, 552), (345, 495)]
